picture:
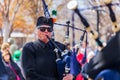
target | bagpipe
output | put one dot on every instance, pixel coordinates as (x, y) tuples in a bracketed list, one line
[(63, 64), (101, 66)]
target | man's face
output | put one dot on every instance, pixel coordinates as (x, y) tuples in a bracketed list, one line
[(44, 31)]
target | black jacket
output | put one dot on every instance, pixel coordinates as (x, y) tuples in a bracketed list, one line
[(39, 60)]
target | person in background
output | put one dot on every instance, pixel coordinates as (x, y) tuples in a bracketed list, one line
[(13, 45), (79, 72), (39, 57), (17, 58), (10, 70)]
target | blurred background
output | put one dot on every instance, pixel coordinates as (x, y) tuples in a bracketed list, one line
[(18, 19)]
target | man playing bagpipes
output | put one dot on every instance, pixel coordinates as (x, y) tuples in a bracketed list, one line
[(40, 59)]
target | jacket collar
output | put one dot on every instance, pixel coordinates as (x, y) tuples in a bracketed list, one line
[(42, 44)]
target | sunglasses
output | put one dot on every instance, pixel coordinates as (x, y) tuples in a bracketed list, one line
[(44, 28)]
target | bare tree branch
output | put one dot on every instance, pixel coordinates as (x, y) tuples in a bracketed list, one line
[(2, 8), (14, 13), (8, 8)]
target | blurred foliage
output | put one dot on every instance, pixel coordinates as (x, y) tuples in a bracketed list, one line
[(30, 10)]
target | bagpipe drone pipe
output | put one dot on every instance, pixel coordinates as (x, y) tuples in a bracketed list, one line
[(109, 57), (45, 8)]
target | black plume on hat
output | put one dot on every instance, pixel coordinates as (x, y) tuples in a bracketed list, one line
[(44, 21)]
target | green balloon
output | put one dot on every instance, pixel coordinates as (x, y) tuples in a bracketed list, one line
[(16, 55), (54, 12)]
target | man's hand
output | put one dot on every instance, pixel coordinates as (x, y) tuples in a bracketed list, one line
[(68, 77)]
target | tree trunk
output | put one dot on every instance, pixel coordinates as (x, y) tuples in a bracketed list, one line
[(6, 30)]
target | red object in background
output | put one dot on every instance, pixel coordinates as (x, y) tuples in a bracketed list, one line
[(79, 77), (80, 57)]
